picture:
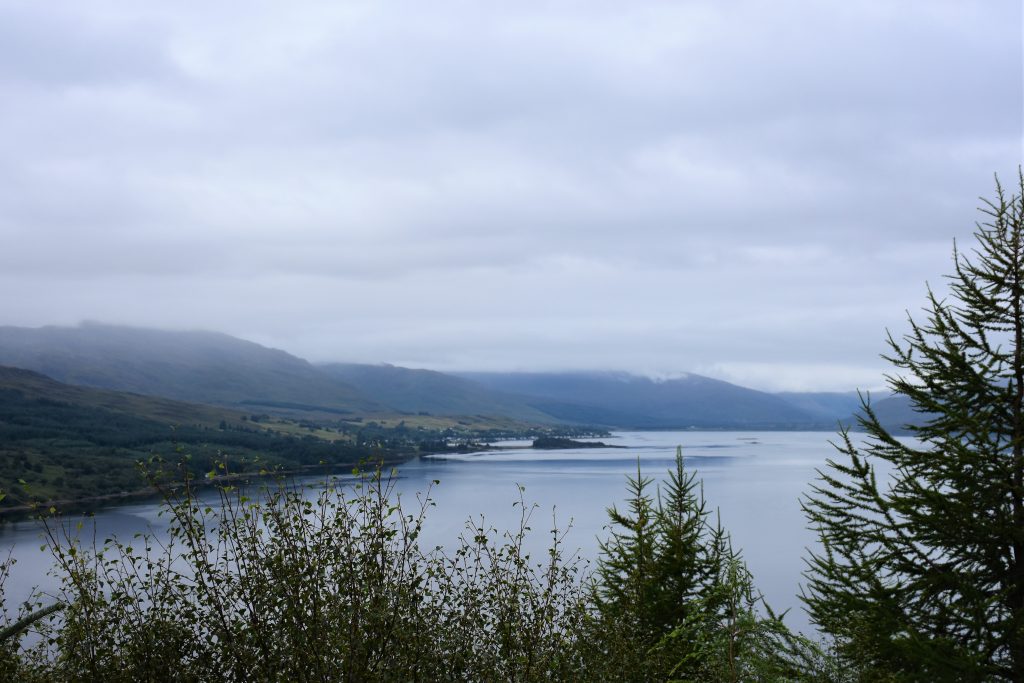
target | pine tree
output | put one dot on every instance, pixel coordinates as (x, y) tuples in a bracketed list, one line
[(691, 551), (676, 602), (921, 572), (662, 555), (625, 571), (663, 560)]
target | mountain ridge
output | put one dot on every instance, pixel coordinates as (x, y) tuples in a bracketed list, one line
[(633, 401), (194, 366), (218, 369)]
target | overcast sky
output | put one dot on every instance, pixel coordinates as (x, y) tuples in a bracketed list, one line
[(749, 190)]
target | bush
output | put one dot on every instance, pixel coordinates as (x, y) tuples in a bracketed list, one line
[(286, 585)]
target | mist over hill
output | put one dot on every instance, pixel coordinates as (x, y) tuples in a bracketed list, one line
[(81, 405), (203, 367), (215, 368)]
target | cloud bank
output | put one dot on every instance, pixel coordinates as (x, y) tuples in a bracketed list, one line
[(747, 189)]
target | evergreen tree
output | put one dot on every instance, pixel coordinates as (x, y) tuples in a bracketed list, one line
[(921, 572), (676, 602), (662, 562), (662, 554), (625, 570)]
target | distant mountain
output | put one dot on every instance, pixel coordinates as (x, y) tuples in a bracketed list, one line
[(826, 406), (202, 367), (436, 393), (894, 413), (213, 368), (629, 401)]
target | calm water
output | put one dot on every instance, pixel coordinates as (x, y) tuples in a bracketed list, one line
[(754, 479)]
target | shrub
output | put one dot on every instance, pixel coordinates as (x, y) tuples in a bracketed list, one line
[(334, 585)]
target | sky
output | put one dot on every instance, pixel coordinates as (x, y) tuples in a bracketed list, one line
[(754, 191)]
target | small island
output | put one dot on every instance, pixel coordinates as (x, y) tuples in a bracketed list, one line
[(554, 442)]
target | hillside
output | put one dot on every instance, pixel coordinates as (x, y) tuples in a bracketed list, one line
[(435, 393), (895, 413), (68, 443), (33, 386), (629, 401), (827, 406), (200, 367)]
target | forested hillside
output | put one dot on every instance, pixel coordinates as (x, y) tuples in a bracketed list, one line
[(74, 444)]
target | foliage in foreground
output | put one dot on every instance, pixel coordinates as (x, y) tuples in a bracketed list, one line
[(336, 587), (921, 572), (674, 601)]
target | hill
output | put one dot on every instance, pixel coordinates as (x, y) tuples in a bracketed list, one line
[(198, 367), (894, 413), (826, 406), (33, 386), (77, 444), (629, 401), (213, 368), (434, 393)]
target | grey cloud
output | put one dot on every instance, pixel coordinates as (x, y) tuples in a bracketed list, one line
[(53, 49), (663, 187)]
